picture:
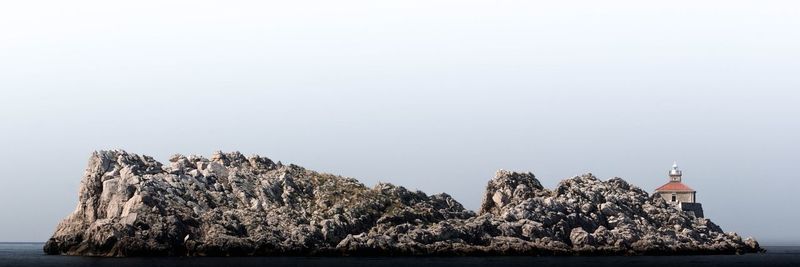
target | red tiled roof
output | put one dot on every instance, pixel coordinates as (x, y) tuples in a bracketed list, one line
[(674, 186)]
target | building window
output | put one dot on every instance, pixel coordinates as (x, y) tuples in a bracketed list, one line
[(674, 198)]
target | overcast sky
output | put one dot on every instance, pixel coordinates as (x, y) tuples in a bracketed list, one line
[(431, 95)]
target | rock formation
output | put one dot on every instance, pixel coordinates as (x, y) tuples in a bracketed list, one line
[(132, 205)]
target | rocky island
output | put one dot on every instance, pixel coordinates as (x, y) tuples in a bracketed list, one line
[(232, 205)]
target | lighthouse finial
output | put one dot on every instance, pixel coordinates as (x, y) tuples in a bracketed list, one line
[(675, 173)]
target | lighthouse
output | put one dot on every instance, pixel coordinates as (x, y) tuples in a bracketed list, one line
[(679, 194)]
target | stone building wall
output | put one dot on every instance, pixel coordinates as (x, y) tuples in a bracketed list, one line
[(679, 196), (695, 209)]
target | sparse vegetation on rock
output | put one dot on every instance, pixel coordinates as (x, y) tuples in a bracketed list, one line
[(132, 205)]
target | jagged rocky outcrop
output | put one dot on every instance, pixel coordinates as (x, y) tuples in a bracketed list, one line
[(132, 205)]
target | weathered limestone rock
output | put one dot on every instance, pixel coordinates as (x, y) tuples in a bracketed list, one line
[(508, 187), (230, 204), (580, 237)]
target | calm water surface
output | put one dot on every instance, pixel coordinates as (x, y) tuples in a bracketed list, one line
[(30, 254)]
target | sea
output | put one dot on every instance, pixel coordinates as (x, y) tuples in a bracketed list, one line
[(30, 254)]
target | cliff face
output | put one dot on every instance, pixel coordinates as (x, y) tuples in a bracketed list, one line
[(131, 205)]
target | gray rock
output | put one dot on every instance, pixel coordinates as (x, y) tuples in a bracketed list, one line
[(580, 237), (131, 205)]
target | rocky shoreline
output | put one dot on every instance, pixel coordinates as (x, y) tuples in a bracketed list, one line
[(232, 205)]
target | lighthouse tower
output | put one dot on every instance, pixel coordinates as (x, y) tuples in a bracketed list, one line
[(679, 194)]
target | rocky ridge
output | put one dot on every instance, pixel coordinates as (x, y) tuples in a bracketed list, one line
[(132, 205)]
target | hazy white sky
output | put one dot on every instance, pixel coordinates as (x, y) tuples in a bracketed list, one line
[(432, 95)]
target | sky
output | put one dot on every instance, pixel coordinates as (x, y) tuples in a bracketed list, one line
[(431, 95)]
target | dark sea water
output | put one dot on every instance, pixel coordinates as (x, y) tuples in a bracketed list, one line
[(30, 254)]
